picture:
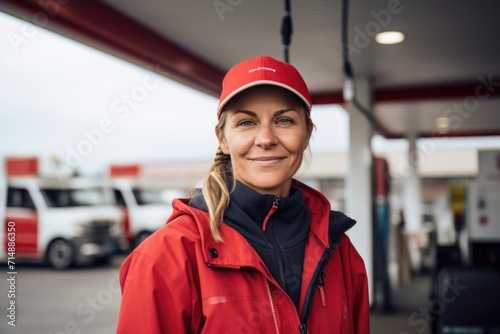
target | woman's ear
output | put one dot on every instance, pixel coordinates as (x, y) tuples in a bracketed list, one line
[(222, 142)]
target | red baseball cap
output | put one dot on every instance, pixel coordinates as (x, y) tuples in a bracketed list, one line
[(263, 70)]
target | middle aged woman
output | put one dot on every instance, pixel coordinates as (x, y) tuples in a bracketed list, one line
[(255, 251)]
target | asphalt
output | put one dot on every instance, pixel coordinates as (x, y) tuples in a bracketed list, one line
[(87, 300), (410, 311)]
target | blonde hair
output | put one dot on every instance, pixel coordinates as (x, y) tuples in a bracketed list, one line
[(215, 187), (215, 183)]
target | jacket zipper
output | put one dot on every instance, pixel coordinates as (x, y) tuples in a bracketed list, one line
[(309, 298), (312, 286), (273, 310), (276, 204)]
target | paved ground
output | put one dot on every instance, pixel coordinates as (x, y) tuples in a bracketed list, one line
[(411, 310), (87, 300), (77, 301)]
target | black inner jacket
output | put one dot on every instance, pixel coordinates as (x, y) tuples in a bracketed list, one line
[(281, 246)]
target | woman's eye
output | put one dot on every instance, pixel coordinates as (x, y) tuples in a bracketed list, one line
[(245, 123), (284, 120)]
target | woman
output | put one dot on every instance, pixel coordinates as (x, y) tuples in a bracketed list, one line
[(255, 251)]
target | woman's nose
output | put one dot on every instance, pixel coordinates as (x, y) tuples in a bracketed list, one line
[(265, 137)]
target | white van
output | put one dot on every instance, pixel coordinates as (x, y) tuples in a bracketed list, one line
[(62, 221), (144, 201), (143, 206)]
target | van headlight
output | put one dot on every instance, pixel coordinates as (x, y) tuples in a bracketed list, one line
[(115, 228), (79, 228)]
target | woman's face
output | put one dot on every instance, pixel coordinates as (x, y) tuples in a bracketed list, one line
[(265, 133)]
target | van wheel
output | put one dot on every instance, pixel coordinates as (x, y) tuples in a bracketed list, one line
[(141, 237), (60, 254)]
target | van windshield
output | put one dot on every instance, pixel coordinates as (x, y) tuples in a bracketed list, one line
[(62, 198), (147, 196)]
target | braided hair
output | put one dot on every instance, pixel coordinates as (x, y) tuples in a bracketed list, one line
[(215, 186)]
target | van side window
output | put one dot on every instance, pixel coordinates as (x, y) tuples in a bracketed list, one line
[(19, 198), (120, 201)]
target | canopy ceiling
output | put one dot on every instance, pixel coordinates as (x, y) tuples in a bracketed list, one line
[(449, 64)]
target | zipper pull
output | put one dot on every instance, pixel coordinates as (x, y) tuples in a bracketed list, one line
[(276, 204), (322, 296), (321, 287), (303, 329)]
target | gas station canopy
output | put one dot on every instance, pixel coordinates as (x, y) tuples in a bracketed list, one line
[(443, 78)]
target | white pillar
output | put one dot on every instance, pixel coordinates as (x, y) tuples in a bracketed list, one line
[(412, 210), (358, 182), (411, 200)]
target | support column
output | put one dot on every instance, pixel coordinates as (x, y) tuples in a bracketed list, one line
[(359, 182), (412, 200), (412, 188)]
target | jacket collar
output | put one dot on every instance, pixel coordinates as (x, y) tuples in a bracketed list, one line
[(236, 252)]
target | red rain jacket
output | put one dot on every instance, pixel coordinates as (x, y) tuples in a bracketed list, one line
[(181, 281)]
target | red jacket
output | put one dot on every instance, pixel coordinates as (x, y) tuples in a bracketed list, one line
[(181, 281)]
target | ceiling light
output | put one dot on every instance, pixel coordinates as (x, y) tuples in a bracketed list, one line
[(443, 124), (348, 91), (390, 37)]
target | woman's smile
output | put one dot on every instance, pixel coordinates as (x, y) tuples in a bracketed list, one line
[(267, 161)]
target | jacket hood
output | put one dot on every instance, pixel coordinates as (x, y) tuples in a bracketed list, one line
[(327, 225)]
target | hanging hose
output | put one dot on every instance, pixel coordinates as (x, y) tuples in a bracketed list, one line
[(347, 67), (287, 31)]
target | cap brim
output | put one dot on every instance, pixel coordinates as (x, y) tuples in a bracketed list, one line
[(261, 82)]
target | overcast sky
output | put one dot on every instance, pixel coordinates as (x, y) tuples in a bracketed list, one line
[(57, 95), (61, 98)]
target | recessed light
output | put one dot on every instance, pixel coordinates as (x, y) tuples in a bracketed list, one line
[(443, 124), (390, 37)]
